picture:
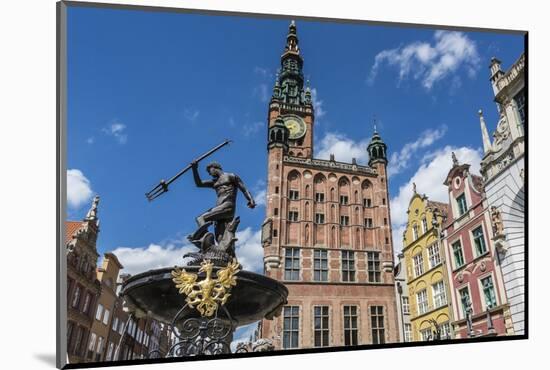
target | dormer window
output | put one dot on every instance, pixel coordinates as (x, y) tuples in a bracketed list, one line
[(461, 204)]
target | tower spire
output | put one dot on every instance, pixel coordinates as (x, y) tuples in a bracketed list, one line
[(377, 149), (455, 159), (289, 87), (484, 133), (92, 213), (292, 39)]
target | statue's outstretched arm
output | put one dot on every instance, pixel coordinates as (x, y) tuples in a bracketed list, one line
[(246, 193), (197, 177)]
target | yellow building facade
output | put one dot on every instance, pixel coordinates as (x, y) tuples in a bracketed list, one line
[(427, 280)]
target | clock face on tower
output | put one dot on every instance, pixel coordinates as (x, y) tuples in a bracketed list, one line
[(296, 126)]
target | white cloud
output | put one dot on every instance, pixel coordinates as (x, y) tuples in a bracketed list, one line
[(191, 114), (317, 104), (252, 128), (264, 72), (259, 191), (343, 148), (429, 179), (249, 250), (79, 189), (429, 63), (399, 160), (136, 260), (90, 140), (260, 197), (140, 259), (261, 91), (116, 130)]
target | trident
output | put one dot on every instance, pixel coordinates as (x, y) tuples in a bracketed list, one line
[(162, 187)]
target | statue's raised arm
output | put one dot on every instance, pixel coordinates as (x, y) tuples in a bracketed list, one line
[(240, 184), (197, 177)]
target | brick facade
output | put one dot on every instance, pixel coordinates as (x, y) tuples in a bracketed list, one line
[(324, 219)]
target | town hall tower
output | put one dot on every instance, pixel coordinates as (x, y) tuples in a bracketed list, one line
[(327, 234)]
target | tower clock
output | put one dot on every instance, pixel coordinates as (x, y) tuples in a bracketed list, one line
[(296, 126)]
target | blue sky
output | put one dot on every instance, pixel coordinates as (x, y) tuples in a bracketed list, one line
[(149, 91)]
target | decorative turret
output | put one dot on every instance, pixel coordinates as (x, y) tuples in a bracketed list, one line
[(496, 73), (276, 88), (278, 135), (455, 159), (377, 149), (307, 95), (496, 70)]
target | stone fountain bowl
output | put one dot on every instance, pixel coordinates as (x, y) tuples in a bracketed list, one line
[(153, 293)]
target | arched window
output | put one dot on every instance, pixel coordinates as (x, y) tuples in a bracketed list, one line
[(366, 193)]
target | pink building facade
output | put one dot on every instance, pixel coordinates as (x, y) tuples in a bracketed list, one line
[(475, 277)]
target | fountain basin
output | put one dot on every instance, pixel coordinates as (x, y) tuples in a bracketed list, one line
[(153, 293)]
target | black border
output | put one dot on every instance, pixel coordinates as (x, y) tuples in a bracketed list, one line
[(61, 186)]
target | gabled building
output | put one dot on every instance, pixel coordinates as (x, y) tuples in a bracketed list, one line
[(503, 169), (99, 343), (477, 290), (98, 328), (83, 287), (327, 232), (403, 300), (427, 282)]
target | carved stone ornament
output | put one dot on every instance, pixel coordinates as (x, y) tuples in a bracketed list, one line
[(321, 163), (496, 222), (501, 246), (502, 132), (272, 262), (261, 345), (522, 174), (483, 266), (505, 160), (460, 277)]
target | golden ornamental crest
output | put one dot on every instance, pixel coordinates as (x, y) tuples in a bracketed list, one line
[(206, 295)]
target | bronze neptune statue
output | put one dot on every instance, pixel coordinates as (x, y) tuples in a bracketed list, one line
[(218, 247)]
